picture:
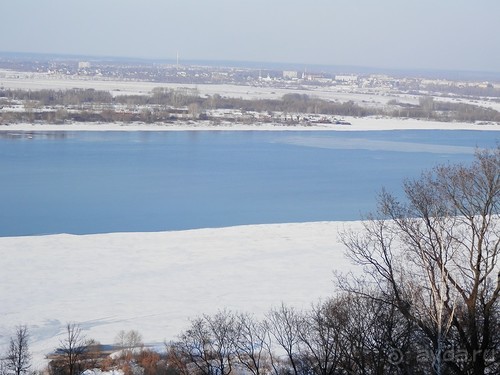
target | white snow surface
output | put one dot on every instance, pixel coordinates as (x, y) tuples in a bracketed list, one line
[(155, 282), (357, 124)]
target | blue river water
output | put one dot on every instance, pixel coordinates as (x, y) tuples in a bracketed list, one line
[(97, 182)]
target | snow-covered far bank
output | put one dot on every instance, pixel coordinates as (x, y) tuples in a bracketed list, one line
[(154, 282), (117, 87), (356, 124)]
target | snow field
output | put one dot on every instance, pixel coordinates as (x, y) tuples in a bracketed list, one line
[(154, 282)]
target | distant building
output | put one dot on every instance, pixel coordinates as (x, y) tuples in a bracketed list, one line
[(83, 65), (312, 76), (350, 78), (290, 74), (265, 79)]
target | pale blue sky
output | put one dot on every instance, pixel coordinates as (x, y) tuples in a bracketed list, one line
[(411, 34)]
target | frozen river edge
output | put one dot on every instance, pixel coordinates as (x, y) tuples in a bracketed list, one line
[(356, 124)]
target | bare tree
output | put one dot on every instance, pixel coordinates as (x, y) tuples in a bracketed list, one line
[(72, 348), (283, 326), (18, 358), (134, 339), (250, 344), (372, 335), (194, 110), (177, 359), (208, 345), (320, 338), (121, 339), (435, 257), (129, 341)]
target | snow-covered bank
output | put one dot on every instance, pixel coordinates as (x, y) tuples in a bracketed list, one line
[(154, 282), (357, 124)]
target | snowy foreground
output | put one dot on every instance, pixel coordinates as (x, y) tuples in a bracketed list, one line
[(155, 282)]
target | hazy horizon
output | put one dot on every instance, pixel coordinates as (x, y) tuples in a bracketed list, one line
[(389, 34)]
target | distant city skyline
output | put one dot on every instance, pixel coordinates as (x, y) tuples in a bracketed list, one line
[(456, 35)]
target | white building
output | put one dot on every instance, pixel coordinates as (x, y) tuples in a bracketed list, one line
[(350, 78), (83, 65), (290, 74)]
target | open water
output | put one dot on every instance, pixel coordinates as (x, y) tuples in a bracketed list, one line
[(97, 182)]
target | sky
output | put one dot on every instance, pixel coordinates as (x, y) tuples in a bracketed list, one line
[(400, 34)]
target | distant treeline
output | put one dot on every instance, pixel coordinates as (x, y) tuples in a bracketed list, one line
[(431, 109), (452, 89), (166, 105)]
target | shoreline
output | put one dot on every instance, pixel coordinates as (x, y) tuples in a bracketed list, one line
[(356, 124)]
